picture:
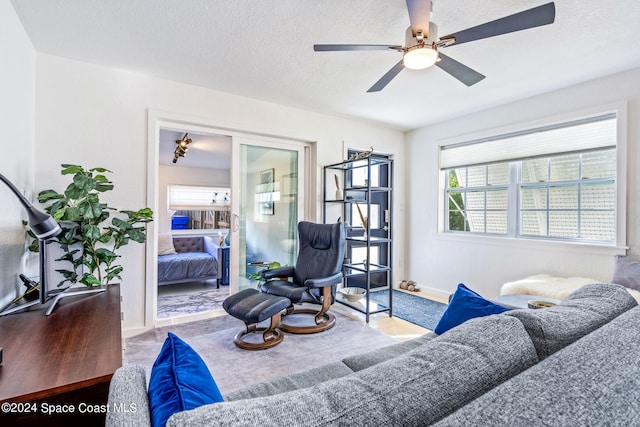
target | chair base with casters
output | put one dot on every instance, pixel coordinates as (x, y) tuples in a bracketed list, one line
[(253, 307), (323, 319)]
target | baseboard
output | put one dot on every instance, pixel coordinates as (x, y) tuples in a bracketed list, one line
[(189, 318), (435, 292), (127, 333)]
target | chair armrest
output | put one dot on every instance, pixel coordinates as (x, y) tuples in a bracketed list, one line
[(323, 281), (278, 272), (211, 246)]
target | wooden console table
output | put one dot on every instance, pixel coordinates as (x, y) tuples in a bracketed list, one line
[(57, 369)]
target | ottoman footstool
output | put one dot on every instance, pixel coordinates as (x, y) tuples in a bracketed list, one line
[(252, 307)]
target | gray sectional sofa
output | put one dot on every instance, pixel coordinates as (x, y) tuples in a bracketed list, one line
[(568, 365)]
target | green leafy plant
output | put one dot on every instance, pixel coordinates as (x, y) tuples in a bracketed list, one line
[(258, 274), (84, 220)]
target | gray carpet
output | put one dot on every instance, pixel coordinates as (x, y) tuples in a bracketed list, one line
[(234, 368), (412, 308)]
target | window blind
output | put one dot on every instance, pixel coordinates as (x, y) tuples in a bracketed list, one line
[(186, 197), (569, 137)]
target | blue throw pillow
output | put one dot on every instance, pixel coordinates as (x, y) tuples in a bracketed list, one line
[(464, 305), (180, 380)]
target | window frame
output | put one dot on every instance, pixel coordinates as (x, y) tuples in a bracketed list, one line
[(220, 201), (549, 184), (618, 246), (485, 189)]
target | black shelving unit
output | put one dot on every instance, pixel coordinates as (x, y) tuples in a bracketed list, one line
[(364, 185)]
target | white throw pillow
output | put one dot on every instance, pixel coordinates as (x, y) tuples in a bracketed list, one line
[(165, 244)]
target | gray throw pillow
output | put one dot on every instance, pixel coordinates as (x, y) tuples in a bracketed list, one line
[(627, 272)]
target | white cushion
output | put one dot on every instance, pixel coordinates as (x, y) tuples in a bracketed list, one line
[(545, 285), (165, 244)]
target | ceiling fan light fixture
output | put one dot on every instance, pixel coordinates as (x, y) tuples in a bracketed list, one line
[(420, 57)]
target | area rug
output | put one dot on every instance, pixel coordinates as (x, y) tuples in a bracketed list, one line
[(234, 368), (191, 302), (412, 308)]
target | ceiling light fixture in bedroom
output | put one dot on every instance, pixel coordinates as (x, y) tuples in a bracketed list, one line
[(181, 149)]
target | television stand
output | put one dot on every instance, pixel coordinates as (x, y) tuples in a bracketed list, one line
[(72, 291), (19, 307), (55, 297)]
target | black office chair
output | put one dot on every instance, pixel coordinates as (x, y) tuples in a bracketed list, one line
[(314, 278)]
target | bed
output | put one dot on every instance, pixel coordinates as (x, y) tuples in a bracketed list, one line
[(187, 258)]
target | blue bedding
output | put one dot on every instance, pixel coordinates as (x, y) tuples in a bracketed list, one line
[(187, 265)]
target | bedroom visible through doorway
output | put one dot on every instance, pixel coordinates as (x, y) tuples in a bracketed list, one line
[(194, 215)]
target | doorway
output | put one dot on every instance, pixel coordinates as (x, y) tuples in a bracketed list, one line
[(268, 181), (193, 219)]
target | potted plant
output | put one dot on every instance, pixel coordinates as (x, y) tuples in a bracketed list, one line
[(92, 231), (258, 274)]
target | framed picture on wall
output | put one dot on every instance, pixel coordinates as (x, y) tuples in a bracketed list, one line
[(266, 191)]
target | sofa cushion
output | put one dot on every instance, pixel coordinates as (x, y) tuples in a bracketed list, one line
[(292, 382), (366, 360), (186, 265), (583, 311), (627, 272), (418, 388), (464, 305), (179, 380), (593, 382)]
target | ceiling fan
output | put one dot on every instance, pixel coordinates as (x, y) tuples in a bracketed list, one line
[(422, 45)]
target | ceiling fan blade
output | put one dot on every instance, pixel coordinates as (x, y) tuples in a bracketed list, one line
[(345, 47), (458, 70), (384, 80), (536, 17), (419, 15)]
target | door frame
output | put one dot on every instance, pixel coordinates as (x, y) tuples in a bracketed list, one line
[(270, 143), (157, 120)]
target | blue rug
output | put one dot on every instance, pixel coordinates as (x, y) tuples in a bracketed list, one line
[(412, 308)]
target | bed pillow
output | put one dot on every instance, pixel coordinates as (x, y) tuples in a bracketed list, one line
[(165, 244), (464, 305), (627, 272), (179, 380)]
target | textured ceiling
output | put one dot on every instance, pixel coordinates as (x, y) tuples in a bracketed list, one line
[(264, 49), (205, 151)]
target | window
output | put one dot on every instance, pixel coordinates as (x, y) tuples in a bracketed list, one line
[(477, 198), (571, 197), (557, 182), (199, 207)]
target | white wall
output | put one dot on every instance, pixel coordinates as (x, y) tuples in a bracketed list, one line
[(170, 175), (95, 116), (17, 99), (442, 261)]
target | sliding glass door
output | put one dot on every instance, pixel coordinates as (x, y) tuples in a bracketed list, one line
[(268, 203)]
